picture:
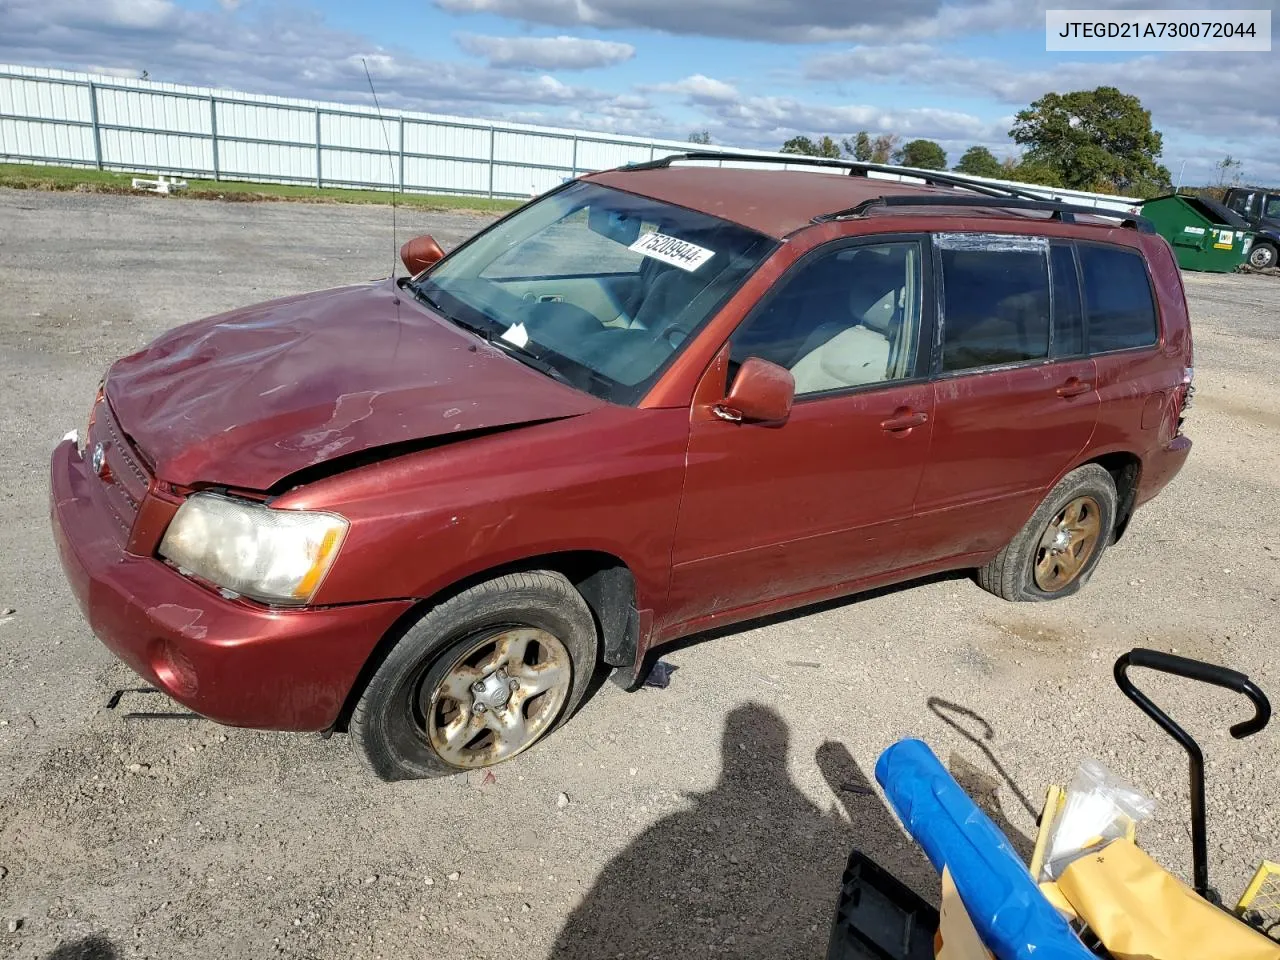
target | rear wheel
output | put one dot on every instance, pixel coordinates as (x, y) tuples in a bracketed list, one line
[(1057, 550), (478, 679), (1262, 255)]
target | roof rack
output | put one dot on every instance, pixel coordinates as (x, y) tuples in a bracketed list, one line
[(994, 195), (1064, 212), (856, 168)]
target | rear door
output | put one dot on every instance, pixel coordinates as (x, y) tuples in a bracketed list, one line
[(1015, 394), (1135, 375)]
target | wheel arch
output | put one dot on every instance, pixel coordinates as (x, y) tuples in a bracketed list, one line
[(1125, 468), (604, 581)]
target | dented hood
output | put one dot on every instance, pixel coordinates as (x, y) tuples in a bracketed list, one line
[(249, 397)]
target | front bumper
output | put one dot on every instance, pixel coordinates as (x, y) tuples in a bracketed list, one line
[(232, 661)]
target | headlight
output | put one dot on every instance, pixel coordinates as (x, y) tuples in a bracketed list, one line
[(276, 556)]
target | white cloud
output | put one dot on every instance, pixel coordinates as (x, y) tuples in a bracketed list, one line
[(768, 121), (796, 21), (784, 21), (699, 89), (283, 52), (133, 14), (546, 53), (1211, 96)]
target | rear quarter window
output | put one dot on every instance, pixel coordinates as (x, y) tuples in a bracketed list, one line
[(1119, 307)]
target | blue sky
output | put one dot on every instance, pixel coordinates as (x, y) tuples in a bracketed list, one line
[(751, 72)]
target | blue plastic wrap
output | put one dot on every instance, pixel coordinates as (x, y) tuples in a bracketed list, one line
[(1011, 916)]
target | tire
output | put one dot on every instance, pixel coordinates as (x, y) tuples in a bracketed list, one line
[(1262, 255), (1026, 570), (401, 724)]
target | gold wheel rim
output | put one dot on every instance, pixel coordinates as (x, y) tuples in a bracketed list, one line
[(1068, 542), (498, 698)]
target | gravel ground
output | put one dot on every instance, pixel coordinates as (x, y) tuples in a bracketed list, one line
[(711, 818)]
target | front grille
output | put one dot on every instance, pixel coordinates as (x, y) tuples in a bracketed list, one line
[(124, 478)]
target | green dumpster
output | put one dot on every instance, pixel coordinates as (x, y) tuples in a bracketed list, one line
[(1204, 234)]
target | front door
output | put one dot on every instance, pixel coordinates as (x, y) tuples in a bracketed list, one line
[(1016, 399), (790, 510)]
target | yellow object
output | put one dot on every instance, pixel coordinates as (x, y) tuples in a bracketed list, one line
[(1262, 896), (1054, 801), (1060, 903), (1141, 912), (957, 939)]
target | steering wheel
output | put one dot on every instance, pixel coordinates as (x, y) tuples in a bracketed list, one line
[(671, 331)]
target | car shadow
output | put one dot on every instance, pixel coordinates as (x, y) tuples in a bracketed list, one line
[(88, 948), (751, 869)]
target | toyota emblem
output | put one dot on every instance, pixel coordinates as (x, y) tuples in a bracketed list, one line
[(99, 460)]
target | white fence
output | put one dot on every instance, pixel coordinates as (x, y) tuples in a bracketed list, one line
[(80, 119)]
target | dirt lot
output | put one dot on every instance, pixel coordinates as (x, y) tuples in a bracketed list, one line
[(709, 818)]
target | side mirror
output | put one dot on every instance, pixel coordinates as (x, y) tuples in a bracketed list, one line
[(420, 253), (761, 393)]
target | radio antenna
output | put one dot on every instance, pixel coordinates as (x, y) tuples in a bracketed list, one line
[(395, 187)]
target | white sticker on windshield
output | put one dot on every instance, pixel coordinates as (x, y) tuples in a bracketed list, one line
[(517, 334), (673, 250)]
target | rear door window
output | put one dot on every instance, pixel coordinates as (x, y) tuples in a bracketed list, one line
[(995, 300), (1119, 308)]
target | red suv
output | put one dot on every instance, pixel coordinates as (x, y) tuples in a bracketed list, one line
[(653, 401)]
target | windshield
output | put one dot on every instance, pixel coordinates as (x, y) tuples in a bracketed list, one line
[(594, 286)]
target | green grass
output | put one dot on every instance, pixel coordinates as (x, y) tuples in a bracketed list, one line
[(32, 177)]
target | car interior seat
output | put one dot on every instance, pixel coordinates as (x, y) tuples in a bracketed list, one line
[(815, 298), (864, 345)]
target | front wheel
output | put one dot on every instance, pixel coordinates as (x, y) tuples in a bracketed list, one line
[(1262, 255), (1057, 550), (478, 679)]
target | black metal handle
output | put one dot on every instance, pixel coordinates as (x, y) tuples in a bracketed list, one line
[(1205, 673)]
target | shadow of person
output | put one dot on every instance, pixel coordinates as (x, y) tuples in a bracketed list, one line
[(89, 948), (751, 870)]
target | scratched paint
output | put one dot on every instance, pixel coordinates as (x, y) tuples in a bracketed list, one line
[(183, 620), (250, 397)]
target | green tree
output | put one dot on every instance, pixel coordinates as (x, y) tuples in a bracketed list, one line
[(826, 147), (1030, 171), (1094, 140), (702, 137), (925, 154), (979, 162), (859, 146)]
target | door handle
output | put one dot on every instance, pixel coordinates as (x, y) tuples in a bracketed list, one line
[(1074, 387), (904, 418)]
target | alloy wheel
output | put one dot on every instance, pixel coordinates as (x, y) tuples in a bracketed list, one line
[(498, 698), (1067, 544)]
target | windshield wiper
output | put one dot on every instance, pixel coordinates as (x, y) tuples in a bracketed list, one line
[(482, 332), (525, 356), (529, 359)]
